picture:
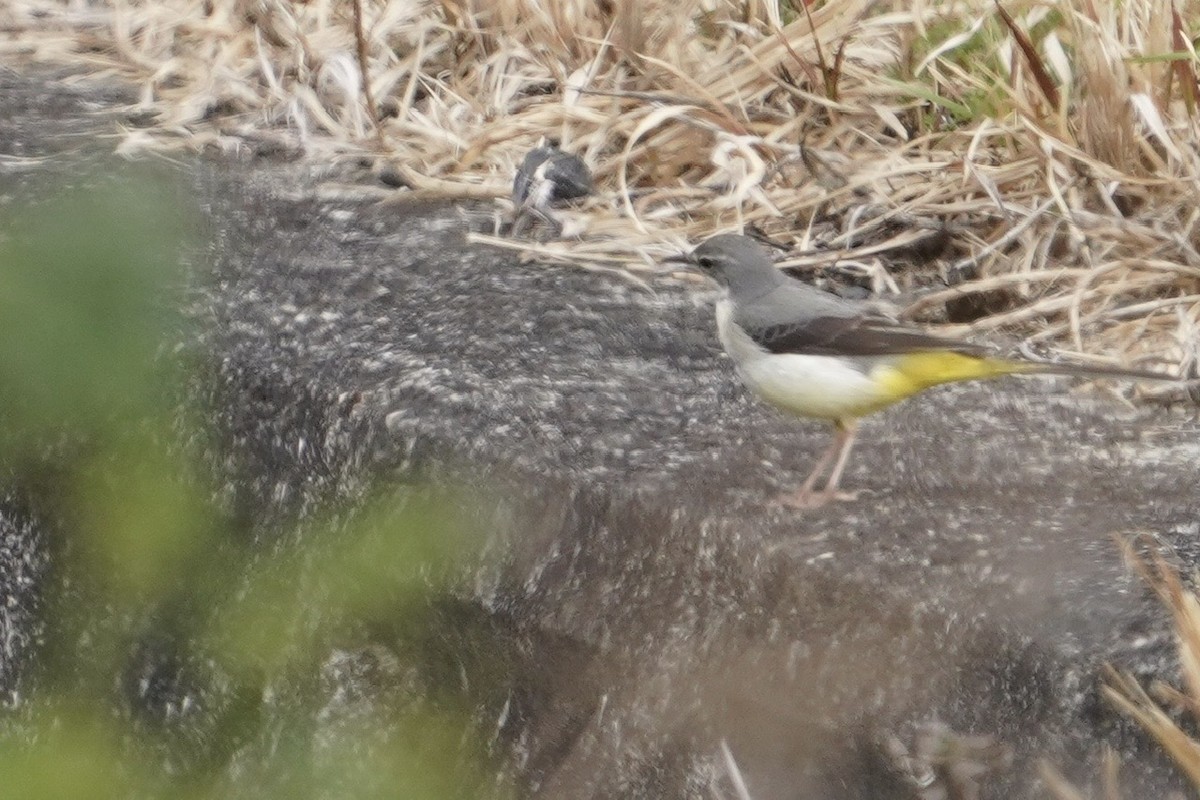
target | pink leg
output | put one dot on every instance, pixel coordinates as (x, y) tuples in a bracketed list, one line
[(822, 464), (805, 496), (846, 432)]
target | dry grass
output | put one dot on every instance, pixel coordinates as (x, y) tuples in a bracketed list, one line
[(1047, 156), (1160, 708), (1148, 707)]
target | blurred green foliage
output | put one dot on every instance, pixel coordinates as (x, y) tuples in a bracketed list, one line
[(83, 277), (143, 561)]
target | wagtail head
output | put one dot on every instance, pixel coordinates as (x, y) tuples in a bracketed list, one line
[(736, 263)]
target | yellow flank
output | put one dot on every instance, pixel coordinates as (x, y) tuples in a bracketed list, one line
[(914, 372)]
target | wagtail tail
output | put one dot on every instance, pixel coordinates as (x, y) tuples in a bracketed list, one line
[(816, 355)]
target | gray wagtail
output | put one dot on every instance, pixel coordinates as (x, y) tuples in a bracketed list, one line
[(813, 354)]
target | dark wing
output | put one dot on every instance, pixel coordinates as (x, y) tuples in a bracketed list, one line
[(569, 176), (852, 335)]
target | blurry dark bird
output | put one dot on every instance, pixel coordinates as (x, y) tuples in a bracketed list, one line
[(547, 177)]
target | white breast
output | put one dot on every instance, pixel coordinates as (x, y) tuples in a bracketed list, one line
[(825, 387)]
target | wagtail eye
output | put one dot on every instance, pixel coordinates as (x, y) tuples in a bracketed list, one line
[(706, 262)]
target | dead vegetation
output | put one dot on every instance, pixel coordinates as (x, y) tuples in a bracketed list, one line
[(1036, 165), (1166, 713)]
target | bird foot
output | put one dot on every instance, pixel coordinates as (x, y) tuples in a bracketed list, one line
[(801, 500)]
